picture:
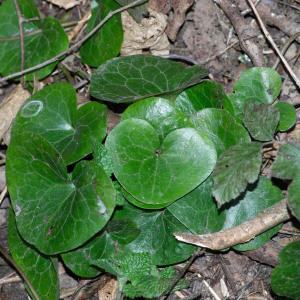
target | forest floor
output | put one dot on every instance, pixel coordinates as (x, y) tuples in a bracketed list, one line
[(221, 37)]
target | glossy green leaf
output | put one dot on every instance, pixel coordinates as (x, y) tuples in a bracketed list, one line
[(157, 172), (130, 78), (102, 157), (238, 166), (257, 197), (286, 276), (40, 270), (221, 128), (81, 260), (261, 120), (203, 95), (198, 211), (255, 85), (52, 113), (159, 112), (107, 41), (156, 235), (294, 197), (43, 39), (287, 163), (287, 115), (55, 211)]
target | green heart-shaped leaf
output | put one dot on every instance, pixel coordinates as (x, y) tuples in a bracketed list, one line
[(261, 120), (80, 261), (52, 113), (257, 198), (287, 163), (286, 276), (288, 116), (294, 197), (238, 166), (256, 85), (156, 235), (39, 270), (204, 95), (101, 46), (130, 78), (157, 172), (43, 39), (55, 211), (221, 127), (198, 211), (159, 112)]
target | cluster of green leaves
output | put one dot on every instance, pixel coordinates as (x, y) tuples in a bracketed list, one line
[(185, 157)]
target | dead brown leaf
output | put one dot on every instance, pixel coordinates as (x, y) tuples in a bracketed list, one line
[(8, 110), (147, 35), (180, 7), (65, 4), (109, 291)]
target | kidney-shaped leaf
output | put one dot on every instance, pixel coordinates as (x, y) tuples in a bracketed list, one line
[(156, 235), (130, 78), (39, 270), (203, 95), (157, 172), (257, 198), (255, 85), (287, 115), (101, 46), (55, 211), (238, 166), (294, 197), (221, 127), (198, 211), (52, 113), (287, 163), (286, 276), (43, 39), (261, 120), (80, 261), (159, 112)]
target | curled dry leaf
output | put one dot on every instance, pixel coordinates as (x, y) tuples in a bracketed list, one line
[(65, 4), (180, 7), (8, 110), (149, 34), (162, 6)]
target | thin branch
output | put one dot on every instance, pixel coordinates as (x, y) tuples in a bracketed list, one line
[(243, 233), (21, 33), (75, 46), (182, 273), (6, 256), (285, 47), (274, 46)]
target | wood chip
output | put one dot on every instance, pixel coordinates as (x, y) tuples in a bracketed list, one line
[(8, 110), (65, 4)]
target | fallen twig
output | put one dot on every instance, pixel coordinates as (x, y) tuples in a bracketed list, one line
[(74, 47), (243, 233), (2, 195), (274, 46), (285, 47)]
